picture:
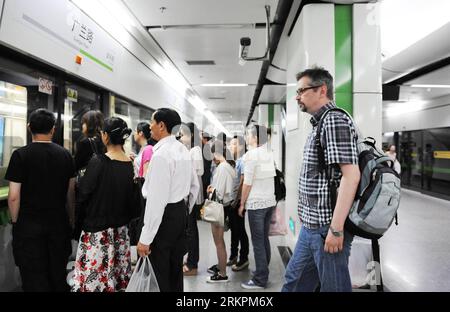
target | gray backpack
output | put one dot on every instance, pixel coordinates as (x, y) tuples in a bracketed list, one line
[(378, 195)]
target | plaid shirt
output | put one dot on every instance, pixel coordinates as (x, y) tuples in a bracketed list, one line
[(339, 141)]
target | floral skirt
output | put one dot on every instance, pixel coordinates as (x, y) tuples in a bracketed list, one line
[(103, 262)]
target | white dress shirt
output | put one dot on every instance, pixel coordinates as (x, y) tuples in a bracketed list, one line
[(170, 179), (197, 164)]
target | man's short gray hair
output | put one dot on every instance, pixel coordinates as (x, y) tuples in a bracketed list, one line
[(319, 76)]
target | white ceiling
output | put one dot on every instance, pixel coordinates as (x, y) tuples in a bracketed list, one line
[(218, 45), (439, 76), (424, 97), (427, 95), (272, 94), (201, 30), (192, 12), (195, 39)]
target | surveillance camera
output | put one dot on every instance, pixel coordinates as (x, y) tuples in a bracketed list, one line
[(243, 49), (246, 41)]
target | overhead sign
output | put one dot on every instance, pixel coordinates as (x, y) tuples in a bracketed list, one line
[(72, 95), (45, 86), (69, 26)]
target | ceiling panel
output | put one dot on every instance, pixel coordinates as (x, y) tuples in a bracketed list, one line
[(272, 94), (235, 101), (423, 94), (233, 19), (439, 76), (201, 11), (219, 45)]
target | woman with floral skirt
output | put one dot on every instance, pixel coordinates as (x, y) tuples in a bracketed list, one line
[(106, 194)]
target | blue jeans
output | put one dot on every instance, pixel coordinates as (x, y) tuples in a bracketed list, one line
[(311, 265), (259, 221)]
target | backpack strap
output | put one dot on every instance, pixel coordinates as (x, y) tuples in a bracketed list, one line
[(320, 151), (321, 156)]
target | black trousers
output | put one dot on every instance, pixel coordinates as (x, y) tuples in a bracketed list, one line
[(169, 247), (238, 235), (193, 239), (41, 251)]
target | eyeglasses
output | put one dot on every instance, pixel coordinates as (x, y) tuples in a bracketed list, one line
[(303, 90)]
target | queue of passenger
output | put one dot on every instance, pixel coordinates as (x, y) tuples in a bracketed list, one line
[(91, 198), (45, 182)]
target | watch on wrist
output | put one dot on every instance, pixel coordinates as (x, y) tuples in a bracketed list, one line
[(336, 233)]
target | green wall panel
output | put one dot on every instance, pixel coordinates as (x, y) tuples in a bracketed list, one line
[(343, 56)]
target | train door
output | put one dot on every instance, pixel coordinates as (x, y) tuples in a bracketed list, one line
[(77, 101), (22, 90)]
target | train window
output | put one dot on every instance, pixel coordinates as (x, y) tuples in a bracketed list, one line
[(425, 159), (132, 114), (77, 101), (13, 126), (22, 90), (123, 109), (436, 160)]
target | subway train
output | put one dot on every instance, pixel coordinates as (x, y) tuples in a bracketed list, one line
[(228, 65)]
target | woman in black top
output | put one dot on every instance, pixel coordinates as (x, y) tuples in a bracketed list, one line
[(105, 194), (90, 143)]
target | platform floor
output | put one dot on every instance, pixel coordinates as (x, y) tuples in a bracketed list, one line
[(415, 256)]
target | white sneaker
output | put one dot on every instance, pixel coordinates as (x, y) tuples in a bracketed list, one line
[(251, 285)]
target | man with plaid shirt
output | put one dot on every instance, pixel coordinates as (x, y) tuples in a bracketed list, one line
[(323, 247)]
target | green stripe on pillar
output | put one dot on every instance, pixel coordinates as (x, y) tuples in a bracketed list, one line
[(271, 116), (343, 56)]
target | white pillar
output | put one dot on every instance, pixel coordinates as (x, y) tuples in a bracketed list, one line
[(367, 89)]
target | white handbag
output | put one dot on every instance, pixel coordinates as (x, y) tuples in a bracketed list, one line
[(212, 211)]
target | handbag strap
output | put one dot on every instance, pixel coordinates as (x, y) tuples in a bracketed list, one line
[(213, 196), (93, 145)]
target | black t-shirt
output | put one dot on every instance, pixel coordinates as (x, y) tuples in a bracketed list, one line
[(44, 170), (105, 196), (85, 150)]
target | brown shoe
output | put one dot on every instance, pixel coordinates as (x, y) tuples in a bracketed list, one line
[(189, 272)]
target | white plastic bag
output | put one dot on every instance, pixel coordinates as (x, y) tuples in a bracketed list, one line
[(143, 278), (358, 263), (9, 273)]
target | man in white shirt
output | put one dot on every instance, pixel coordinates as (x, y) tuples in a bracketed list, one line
[(170, 180)]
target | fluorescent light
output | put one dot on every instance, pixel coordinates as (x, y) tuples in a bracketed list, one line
[(224, 85), (197, 103), (429, 86)]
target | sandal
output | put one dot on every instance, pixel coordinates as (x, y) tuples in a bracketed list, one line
[(189, 272)]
